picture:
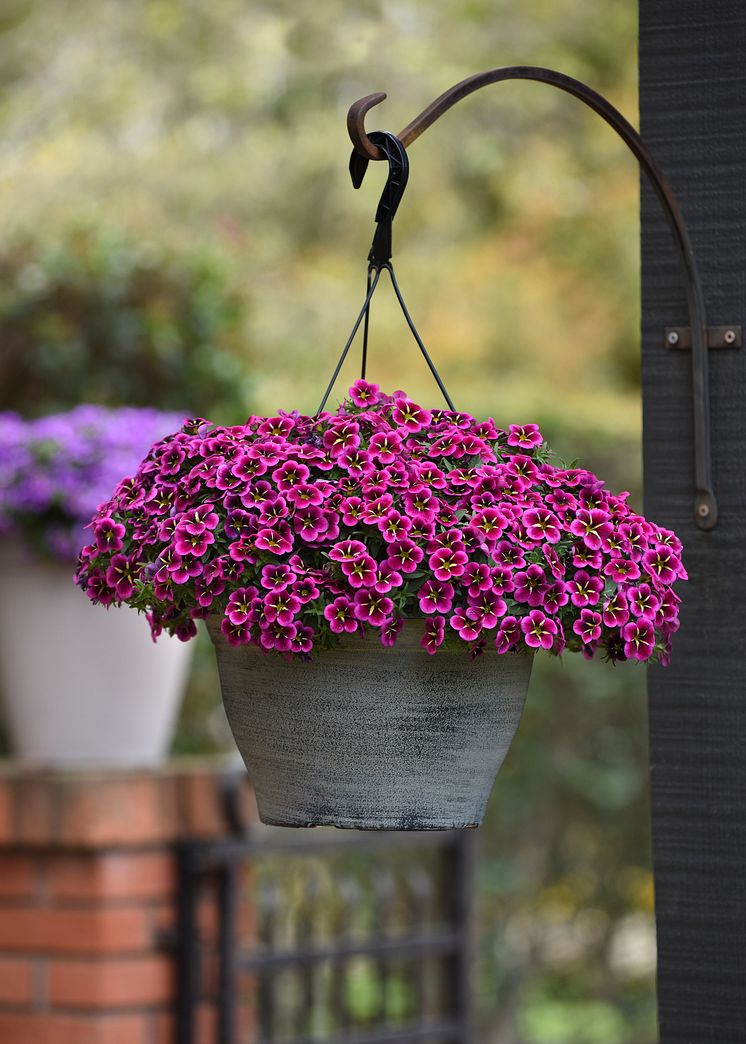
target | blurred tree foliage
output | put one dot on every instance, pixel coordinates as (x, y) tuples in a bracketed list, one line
[(222, 125), (92, 316)]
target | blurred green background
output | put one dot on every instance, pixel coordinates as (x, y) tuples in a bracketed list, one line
[(179, 228)]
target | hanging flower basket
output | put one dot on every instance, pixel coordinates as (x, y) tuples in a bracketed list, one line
[(376, 581)]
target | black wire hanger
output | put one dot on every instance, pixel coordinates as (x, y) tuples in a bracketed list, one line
[(379, 258)]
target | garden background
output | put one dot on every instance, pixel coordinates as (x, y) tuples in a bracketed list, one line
[(179, 229)]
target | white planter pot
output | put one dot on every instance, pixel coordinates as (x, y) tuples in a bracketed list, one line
[(83, 685)]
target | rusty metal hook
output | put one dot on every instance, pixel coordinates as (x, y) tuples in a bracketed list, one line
[(705, 503)]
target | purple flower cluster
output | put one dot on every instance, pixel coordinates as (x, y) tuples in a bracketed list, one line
[(55, 471), (300, 530)]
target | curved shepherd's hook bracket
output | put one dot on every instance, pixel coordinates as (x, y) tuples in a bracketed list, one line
[(705, 504)]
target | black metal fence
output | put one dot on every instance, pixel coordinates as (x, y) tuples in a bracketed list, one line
[(321, 935)]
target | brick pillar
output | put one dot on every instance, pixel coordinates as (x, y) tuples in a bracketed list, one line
[(88, 899)]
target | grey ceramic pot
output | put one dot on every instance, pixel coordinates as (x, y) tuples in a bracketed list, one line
[(369, 737)]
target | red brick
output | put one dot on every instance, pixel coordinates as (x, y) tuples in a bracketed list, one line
[(39, 929), (205, 1026), (114, 811), (98, 877), (111, 983), (16, 981), (201, 811), (71, 1029), (19, 875)]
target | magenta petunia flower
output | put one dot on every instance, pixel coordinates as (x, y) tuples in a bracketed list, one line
[(525, 436), (435, 596), (362, 572), (447, 563), (530, 586), (542, 525), (371, 607), (241, 604), (404, 555), (409, 415), (643, 601), (278, 540), (588, 627), (538, 630), (108, 534), (661, 563), (390, 631), (622, 570), (341, 615), (508, 635), (615, 611), (364, 394), (385, 446), (467, 628), (585, 589), (434, 635), (490, 524), (387, 578), (282, 606), (486, 609), (277, 577), (593, 527), (121, 575), (639, 640)]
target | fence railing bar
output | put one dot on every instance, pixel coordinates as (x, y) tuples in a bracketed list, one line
[(446, 1032), (438, 942), (217, 853), (188, 951), (228, 895)]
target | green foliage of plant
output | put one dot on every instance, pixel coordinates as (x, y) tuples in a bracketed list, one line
[(95, 316)]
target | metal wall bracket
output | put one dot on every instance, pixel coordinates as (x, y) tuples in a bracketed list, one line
[(717, 337), (705, 501)]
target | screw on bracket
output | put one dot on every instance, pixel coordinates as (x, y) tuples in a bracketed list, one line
[(717, 337)]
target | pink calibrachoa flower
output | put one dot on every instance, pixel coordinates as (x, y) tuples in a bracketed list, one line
[(467, 628), (588, 626), (530, 586), (639, 640), (298, 531), (585, 589), (364, 394), (240, 607), (434, 635), (542, 525), (525, 436), (409, 415), (643, 601), (662, 564), (593, 527), (108, 534), (538, 630), (447, 564), (508, 635), (341, 615), (435, 596), (373, 608), (390, 630)]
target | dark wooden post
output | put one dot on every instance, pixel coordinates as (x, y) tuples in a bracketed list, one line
[(693, 115)]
